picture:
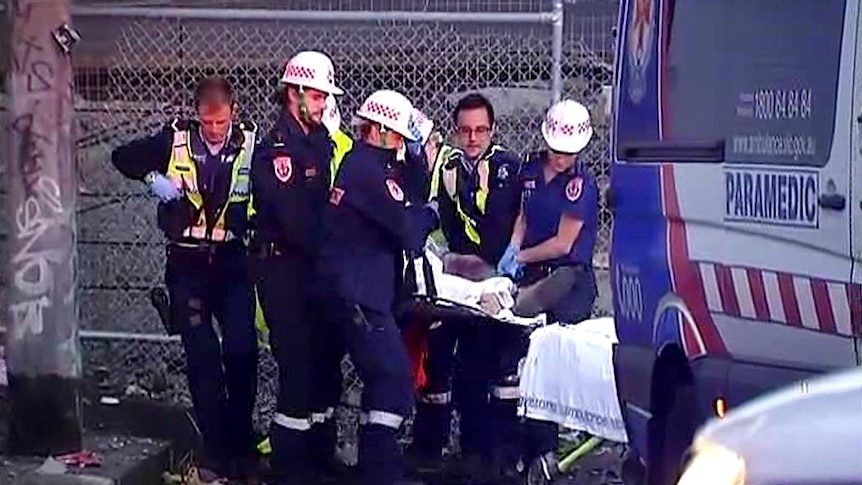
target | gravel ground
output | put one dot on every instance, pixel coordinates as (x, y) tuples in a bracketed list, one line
[(600, 468), (116, 455)]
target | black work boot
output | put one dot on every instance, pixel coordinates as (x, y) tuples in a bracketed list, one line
[(380, 458)]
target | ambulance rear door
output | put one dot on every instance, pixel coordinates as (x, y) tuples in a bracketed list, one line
[(768, 229)]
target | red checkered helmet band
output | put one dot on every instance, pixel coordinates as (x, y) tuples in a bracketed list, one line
[(382, 111), (391, 109), (567, 127), (295, 71), (560, 128), (312, 70)]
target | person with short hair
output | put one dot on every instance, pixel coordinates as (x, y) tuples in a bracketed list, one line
[(199, 170), (474, 182)]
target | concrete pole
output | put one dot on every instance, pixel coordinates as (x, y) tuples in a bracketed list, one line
[(43, 348)]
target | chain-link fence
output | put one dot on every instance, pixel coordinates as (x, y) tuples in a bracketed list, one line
[(136, 68)]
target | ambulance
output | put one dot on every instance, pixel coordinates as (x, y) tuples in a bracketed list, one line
[(736, 191)]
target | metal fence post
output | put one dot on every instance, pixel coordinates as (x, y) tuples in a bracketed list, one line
[(558, 16), (43, 349)]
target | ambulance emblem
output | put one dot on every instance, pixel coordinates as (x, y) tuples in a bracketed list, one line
[(574, 189), (641, 30), (283, 168), (394, 190)]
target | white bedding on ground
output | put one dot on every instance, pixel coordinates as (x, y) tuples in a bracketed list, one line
[(568, 378), (461, 291)]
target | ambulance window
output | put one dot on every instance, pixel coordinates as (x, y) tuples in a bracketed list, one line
[(760, 74)]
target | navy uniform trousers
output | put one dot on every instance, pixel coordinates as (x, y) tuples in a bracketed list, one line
[(373, 340), (209, 280)]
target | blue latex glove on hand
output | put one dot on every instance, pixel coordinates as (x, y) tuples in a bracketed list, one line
[(508, 260), (163, 188), (513, 270)]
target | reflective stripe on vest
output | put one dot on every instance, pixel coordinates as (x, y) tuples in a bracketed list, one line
[(449, 178), (182, 167)]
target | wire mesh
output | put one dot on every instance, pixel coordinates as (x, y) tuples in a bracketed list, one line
[(133, 75)]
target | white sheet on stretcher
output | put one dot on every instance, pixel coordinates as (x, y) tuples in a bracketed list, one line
[(568, 378), (454, 289)]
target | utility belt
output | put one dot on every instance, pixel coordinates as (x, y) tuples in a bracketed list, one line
[(534, 273), (206, 247)]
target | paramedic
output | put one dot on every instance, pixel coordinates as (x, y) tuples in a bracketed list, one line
[(326, 379), (475, 184), (199, 169), (368, 224), (290, 183), (555, 232)]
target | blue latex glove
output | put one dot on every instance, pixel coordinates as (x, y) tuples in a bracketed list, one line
[(163, 188), (513, 269), (507, 260)]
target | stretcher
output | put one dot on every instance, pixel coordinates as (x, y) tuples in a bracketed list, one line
[(475, 293), (567, 378)]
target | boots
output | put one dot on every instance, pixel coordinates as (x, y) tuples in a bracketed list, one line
[(322, 440), (288, 462), (380, 459), (430, 437)]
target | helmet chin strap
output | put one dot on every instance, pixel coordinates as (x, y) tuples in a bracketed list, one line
[(383, 132), (303, 107)]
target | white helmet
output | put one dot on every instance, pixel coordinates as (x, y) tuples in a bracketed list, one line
[(567, 127), (421, 126), (331, 115), (311, 69), (391, 109)]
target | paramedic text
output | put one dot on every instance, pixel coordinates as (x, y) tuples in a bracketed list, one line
[(787, 198)]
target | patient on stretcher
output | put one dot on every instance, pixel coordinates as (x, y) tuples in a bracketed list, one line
[(469, 282)]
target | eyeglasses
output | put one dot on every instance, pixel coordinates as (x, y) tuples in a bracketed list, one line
[(478, 131)]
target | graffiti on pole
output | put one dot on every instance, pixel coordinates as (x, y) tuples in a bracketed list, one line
[(42, 183)]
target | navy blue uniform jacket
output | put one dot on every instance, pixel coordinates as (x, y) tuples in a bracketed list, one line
[(290, 185), (368, 224)]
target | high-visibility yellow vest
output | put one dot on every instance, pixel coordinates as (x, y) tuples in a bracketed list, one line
[(182, 167), (343, 144), (449, 178)]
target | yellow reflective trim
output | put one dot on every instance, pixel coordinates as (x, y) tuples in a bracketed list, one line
[(482, 192), (450, 176), (437, 173), (260, 322), (182, 166), (343, 145)]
